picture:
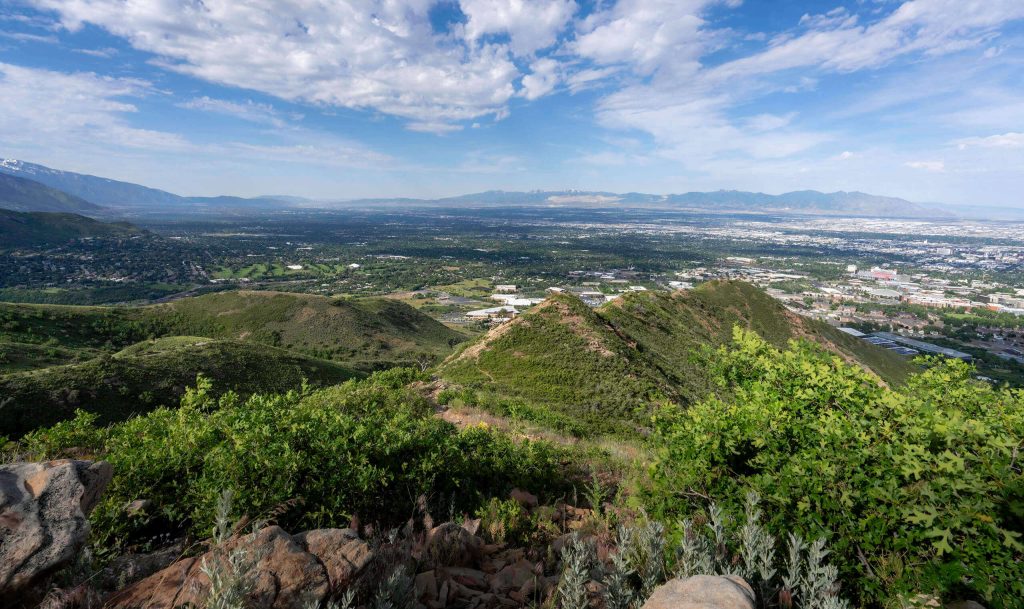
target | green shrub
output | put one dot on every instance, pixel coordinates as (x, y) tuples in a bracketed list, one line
[(80, 433), (918, 489), (365, 447)]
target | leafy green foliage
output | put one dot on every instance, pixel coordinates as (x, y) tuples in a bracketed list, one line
[(918, 488), (365, 447)]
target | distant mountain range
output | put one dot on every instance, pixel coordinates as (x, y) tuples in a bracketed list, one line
[(58, 190), (810, 202), (125, 196)]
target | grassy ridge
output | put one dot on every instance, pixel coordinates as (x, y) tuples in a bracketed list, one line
[(362, 333), (365, 333), (150, 374), (564, 357), (608, 366), (668, 327)]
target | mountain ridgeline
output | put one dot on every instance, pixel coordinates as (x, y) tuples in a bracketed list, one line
[(97, 193), (117, 196), (608, 367)]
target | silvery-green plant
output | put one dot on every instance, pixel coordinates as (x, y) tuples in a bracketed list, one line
[(577, 557), (805, 580), (396, 592), (618, 589), (717, 524), (646, 556), (693, 555), (345, 602), (757, 546), (792, 581), (821, 580)]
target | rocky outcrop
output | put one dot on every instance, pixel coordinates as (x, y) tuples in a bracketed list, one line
[(703, 592), (341, 552), (43, 518), (288, 572)]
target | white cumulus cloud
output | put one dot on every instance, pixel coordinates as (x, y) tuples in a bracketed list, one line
[(530, 24), (379, 55)]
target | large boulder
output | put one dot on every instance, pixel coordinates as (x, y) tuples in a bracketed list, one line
[(43, 518), (450, 544), (703, 592), (290, 571), (341, 552)]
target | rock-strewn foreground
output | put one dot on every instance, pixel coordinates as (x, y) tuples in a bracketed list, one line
[(290, 571), (44, 526)]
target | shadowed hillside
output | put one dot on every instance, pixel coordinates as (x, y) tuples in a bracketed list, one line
[(609, 365), (21, 194), (366, 333), (18, 229), (151, 374)]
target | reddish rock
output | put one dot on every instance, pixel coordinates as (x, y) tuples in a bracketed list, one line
[(512, 577), (286, 576), (524, 498), (341, 552), (450, 544), (426, 586), (467, 577)]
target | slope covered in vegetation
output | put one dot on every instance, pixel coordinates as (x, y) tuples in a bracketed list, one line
[(150, 374), (367, 447), (361, 333), (18, 229), (22, 194), (608, 366), (916, 489), (366, 333)]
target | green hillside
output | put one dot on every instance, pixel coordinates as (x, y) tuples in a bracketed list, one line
[(607, 366), (367, 333), (561, 355), (150, 374), (22, 194), (669, 326), (362, 333), (20, 229)]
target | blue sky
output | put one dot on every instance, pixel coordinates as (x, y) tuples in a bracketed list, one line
[(922, 99)]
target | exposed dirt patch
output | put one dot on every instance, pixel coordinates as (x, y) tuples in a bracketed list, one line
[(305, 314), (474, 351)]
